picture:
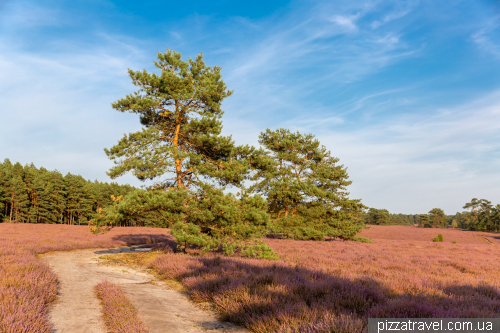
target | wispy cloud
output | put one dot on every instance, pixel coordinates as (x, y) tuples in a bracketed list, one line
[(348, 23), (397, 14), (487, 37), (283, 58), (24, 14)]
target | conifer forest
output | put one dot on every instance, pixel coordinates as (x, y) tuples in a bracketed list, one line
[(36, 195)]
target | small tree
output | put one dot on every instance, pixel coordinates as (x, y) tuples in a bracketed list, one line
[(379, 216), (424, 221), (437, 218), (305, 188), (439, 238)]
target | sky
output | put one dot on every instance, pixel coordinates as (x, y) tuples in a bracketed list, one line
[(405, 93)]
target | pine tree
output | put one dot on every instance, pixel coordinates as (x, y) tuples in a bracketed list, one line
[(305, 188), (437, 218), (182, 152), (424, 221), (181, 145), (30, 176), (57, 197), (28, 194), (480, 215), (75, 197), (379, 216), (5, 175), (18, 199)]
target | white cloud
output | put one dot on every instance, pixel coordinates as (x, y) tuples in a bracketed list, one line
[(23, 14), (348, 23)]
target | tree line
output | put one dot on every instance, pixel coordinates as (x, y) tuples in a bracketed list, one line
[(376, 216), (482, 215), (435, 218), (37, 195)]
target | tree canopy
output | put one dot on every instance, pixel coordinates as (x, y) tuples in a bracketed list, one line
[(305, 188), (482, 215), (181, 145)]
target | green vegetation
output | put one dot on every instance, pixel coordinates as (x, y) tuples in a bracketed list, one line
[(190, 163), (482, 216), (305, 188), (439, 238), (383, 217), (32, 195)]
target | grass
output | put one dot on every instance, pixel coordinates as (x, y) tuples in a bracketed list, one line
[(120, 315), (27, 285)]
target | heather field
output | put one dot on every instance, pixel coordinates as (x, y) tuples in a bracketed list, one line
[(334, 286), (27, 285), (331, 286)]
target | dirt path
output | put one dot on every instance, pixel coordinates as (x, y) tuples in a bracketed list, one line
[(77, 308)]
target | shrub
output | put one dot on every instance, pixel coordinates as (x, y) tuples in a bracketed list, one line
[(439, 238)]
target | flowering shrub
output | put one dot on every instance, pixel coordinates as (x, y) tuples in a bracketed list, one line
[(120, 315)]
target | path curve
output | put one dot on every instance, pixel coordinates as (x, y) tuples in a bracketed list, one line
[(77, 309)]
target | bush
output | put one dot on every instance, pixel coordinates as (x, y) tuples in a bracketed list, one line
[(439, 238), (362, 239)]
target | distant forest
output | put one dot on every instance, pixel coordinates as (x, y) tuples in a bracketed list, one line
[(482, 216), (32, 195)]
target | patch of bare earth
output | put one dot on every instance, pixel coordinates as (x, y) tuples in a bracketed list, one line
[(163, 309)]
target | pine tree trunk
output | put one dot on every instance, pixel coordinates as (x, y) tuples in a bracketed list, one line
[(178, 166)]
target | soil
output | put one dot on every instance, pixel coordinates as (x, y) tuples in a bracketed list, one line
[(163, 309)]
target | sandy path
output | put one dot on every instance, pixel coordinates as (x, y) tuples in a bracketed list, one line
[(77, 309)]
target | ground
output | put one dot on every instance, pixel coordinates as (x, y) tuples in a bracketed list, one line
[(77, 308)]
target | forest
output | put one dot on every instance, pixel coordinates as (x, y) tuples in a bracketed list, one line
[(480, 215), (37, 195)]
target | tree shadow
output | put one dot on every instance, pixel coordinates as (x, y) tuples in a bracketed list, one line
[(136, 239), (275, 297)]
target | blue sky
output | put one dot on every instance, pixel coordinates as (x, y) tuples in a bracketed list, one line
[(405, 93)]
